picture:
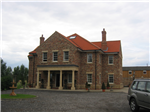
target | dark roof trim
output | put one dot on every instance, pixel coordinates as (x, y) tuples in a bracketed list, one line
[(57, 66), (90, 50), (136, 68), (112, 53)]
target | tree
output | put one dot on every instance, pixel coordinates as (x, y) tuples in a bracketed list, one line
[(20, 73), (6, 76), (5, 71)]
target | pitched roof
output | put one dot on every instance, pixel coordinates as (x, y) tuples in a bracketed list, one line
[(83, 44), (113, 46)]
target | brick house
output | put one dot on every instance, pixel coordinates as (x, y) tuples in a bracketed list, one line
[(132, 72), (69, 62)]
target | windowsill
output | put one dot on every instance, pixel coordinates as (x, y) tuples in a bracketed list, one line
[(54, 61), (89, 82), (89, 62), (69, 82), (44, 61), (111, 83), (65, 61), (110, 64)]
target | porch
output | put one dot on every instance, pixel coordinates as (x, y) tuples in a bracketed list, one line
[(57, 76)]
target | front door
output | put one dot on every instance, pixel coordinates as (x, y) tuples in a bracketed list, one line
[(57, 80)]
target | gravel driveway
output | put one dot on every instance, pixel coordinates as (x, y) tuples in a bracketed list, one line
[(64, 101)]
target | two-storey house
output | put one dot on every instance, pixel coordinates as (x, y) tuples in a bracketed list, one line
[(69, 62)]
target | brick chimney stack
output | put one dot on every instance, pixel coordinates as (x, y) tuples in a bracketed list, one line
[(42, 39), (104, 43)]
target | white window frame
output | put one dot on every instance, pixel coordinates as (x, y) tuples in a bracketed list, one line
[(44, 60), (69, 78), (109, 57), (130, 72), (88, 56), (112, 82), (144, 72), (89, 78), (55, 57), (67, 60)]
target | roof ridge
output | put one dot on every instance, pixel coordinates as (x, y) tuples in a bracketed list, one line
[(109, 41)]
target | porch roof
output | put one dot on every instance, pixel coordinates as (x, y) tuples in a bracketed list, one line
[(57, 67)]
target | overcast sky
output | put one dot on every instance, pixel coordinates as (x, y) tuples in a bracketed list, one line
[(23, 23)]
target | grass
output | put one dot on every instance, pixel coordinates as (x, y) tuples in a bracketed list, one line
[(18, 96)]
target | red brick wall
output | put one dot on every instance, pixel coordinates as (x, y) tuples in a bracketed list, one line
[(58, 42)]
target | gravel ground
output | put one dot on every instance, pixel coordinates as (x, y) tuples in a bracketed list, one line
[(64, 101)]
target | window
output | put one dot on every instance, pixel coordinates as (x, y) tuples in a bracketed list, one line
[(89, 58), (100, 78), (134, 85), (72, 37), (55, 56), (110, 59), (141, 86), (89, 78), (144, 71), (70, 78), (111, 78), (44, 56), (66, 55), (130, 72), (148, 87)]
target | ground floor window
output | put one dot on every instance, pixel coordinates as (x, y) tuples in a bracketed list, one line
[(111, 78), (89, 78), (70, 78)]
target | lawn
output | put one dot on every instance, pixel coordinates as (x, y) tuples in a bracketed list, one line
[(18, 96)]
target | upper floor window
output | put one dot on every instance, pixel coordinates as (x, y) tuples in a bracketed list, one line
[(89, 78), (89, 58), (130, 72), (44, 56), (144, 71), (110, 60), (55, 56), (70, 78), (66, 55), (111, 78)]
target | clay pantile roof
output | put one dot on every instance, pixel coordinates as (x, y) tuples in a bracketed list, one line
[(113, 46), (68, 39), (34, 51), (30, 55), (82, 43)]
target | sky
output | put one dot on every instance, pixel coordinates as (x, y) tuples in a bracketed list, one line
[(23, 23)]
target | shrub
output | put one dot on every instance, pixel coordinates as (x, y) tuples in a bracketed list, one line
[(19, 85), (103, 86), (108, 84)]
